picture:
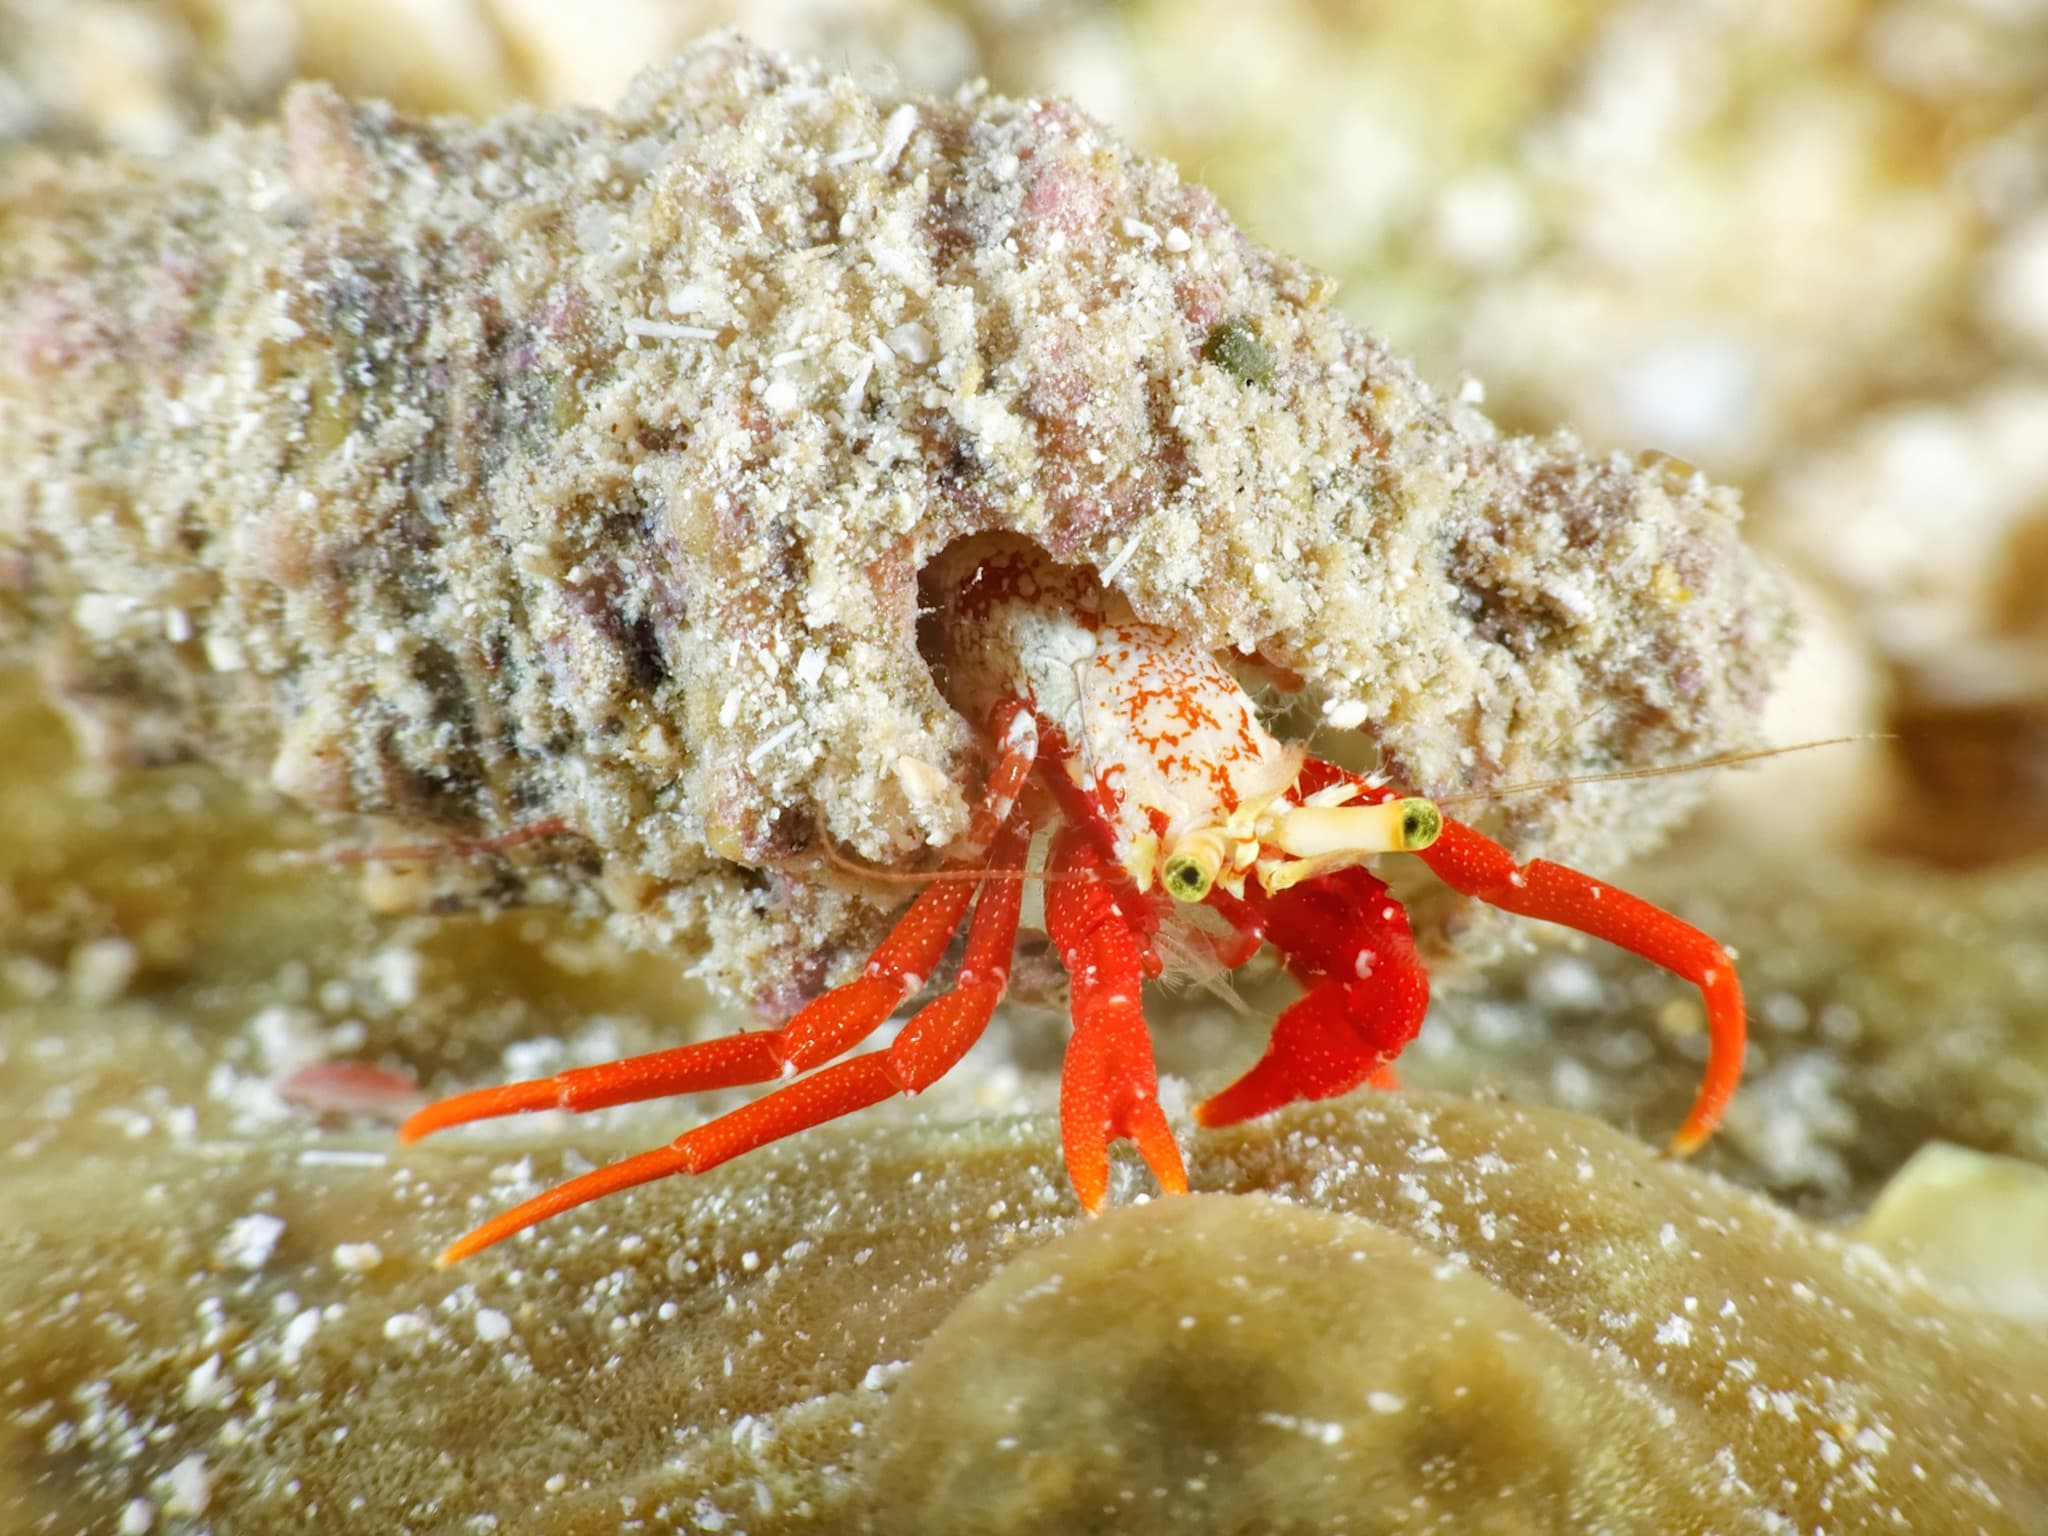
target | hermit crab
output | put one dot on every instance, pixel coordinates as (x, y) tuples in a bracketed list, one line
[(1170, 805), (779, 468)]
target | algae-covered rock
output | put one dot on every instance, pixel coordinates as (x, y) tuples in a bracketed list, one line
[(1242, 1364), (1971, 1220), (1544, 1326)]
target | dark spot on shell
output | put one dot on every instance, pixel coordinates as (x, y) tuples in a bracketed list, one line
[(1235, 347), (643, 654)]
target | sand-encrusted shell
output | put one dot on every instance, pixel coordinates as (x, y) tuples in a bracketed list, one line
[(582, 466)]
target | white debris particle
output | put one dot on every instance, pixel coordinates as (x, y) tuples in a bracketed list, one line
[(896, 132), (882, 1373), (1115, 568), (406, 1325), (102, 614), (493, 1326), (1323, 1431), (341, 1157), (810, 666), (1668, 1239), (298, 1333), (287, 1038), (137, 1516), (1674, 1332), (1385, 1402), (250, 1241), (556, 1482), (356, 1258), (1177, 240), (224, 653), (1345, 714), (204, 1388), (667, 330), (191, 1487), (765, 748), (395, 972), (101, 970), (912, 342), (750, 1261)]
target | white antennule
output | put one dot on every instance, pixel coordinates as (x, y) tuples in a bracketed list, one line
[(1122, 558)]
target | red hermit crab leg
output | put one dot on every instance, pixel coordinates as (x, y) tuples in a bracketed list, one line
[(928, 1047), (827, 1027), (1348, 942), (1476, 865), (1108, 1086)]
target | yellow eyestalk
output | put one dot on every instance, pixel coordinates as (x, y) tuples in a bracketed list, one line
[(1393, 826)]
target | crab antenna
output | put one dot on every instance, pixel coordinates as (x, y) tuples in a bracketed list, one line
[(1407, 825)]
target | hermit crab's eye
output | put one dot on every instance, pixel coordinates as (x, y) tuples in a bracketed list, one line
[(1186, 879), (1421, 824), (1190, 871)]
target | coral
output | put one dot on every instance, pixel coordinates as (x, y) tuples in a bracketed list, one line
[(1465, 1310)]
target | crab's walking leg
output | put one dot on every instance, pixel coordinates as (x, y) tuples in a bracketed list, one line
[(936, 1037), (1478, 866), (1349, 943), (1108, 1087), (827, 1027)]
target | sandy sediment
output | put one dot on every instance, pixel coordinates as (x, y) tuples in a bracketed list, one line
[(581, 466)]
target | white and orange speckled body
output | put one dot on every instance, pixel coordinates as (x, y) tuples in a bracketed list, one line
[(1159, 737), (1145, 759)]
